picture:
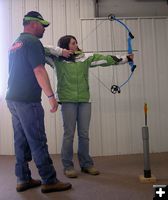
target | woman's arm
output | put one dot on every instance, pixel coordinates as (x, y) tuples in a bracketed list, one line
[(57, 51), (107, 60), (52, 54)]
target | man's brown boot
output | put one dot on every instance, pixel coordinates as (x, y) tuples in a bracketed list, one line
[(27, 185), (55, 187)]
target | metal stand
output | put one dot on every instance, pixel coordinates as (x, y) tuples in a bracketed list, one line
[(145, 137), (147, 177)]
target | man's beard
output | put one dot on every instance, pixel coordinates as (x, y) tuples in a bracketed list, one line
[(40, 35)]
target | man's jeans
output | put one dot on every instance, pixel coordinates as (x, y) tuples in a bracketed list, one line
[(73, 113), (30, 141)]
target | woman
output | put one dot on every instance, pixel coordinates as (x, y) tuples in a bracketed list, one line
[(73, 93)]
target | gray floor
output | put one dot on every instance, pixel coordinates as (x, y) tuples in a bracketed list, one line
[(119, 179)]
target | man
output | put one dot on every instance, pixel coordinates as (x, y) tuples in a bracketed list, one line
[(27, 78)]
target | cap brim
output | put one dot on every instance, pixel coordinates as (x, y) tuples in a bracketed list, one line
[(42, 21)]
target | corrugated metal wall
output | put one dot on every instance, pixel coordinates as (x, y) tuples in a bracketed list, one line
[(116, 119), (64, 16)]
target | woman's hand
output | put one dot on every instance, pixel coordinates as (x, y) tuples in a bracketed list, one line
[(66, 53), (130, 57)]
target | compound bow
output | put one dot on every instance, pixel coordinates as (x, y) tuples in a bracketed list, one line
[(116, 88)]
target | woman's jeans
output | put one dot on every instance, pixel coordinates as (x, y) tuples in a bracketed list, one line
[(30, 141), (76, 113)]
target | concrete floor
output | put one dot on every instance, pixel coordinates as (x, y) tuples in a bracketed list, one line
[(119, 179)]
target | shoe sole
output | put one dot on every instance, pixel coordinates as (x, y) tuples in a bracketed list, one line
[(90, 173), (26, 188), (56, 190), (71, 176)]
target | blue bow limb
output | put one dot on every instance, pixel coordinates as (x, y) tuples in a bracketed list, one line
[(116, 88)]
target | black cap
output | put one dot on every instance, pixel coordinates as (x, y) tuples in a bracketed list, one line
[(35, 16)]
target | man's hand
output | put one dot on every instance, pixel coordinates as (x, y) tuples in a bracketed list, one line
[(66, 53), (54, 104)]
